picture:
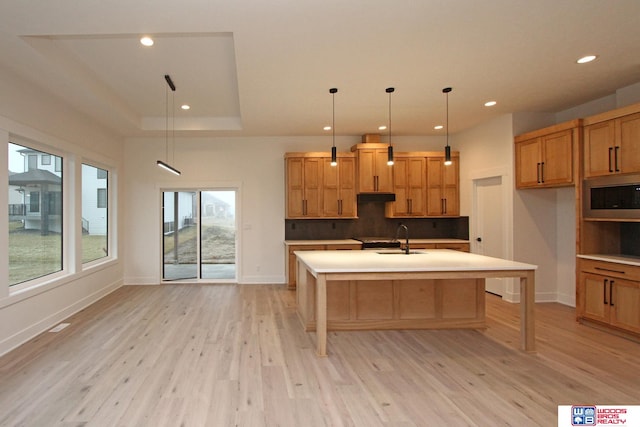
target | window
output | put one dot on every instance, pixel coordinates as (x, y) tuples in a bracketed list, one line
[(95, 213), (102, 198), (46, 159), (35, 219), (33, 161), (34, 201)]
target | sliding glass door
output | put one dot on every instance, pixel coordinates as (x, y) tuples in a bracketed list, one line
[(199, 235)]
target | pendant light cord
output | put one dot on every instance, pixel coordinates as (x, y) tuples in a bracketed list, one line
[(334, 155), (166, 131)]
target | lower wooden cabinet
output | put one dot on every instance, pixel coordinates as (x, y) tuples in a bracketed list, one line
[(290, 259), (609, 294)]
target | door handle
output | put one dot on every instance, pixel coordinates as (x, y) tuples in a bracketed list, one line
[(478, 239), (611, 293), (610, 152)]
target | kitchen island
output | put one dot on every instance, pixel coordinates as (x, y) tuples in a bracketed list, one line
[(437, 288)]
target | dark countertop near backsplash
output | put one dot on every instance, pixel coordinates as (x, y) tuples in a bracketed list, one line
[(372, 222)]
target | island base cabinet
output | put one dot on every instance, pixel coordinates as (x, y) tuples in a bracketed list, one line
[(395, 304)]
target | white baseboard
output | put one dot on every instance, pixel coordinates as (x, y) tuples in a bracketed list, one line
[(19, 338)]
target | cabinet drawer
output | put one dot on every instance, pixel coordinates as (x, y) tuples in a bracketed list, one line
[(610, 269)]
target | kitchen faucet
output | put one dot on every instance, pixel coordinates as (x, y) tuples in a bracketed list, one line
[(406, 235)]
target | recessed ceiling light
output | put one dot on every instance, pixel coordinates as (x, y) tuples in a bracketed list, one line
[(327, 128), (490, 103), (146, 41), (383, 127), (586, 59), (185, 107), (438, 127)]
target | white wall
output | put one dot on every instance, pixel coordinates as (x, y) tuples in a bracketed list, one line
[(255, 165), (30, 113)]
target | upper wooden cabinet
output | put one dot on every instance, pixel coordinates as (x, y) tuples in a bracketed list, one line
[(611, 144), (374, 175), (443, 187), (304, 181), (409, 178), (315, 189), (545, 157)]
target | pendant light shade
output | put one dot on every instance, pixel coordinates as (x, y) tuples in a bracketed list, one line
[(447, 149), (389, 90), (334, 154), (165, 165)]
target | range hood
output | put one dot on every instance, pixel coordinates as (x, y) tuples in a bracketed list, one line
[(376, 197)]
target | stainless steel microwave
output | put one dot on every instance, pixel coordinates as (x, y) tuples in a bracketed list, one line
[(616, 196)]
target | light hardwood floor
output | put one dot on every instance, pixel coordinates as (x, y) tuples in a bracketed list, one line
[(227, 355)]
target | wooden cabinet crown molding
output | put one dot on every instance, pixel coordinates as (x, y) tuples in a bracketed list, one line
[(612, 114), (571, 124)]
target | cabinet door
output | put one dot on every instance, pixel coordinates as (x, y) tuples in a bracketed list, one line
[(383, 172), (624, 301), (451, 187), (528, 161), (347, 187), (629, 143), (557, 163), (366, 170), (401, 207), (435, 201), (443, 196), (295, 187), (416, 186), (330, 188), (599, 153), (594, 297), (313, 187)]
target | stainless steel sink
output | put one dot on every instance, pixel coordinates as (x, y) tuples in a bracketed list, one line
[(400, 252)]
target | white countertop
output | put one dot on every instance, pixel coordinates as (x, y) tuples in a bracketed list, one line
[(357, 242), (619, 259), (426, 260)]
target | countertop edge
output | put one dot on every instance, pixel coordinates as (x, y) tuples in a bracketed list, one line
[(618, 259)]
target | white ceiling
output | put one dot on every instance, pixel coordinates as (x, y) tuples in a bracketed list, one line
[(256, 67)]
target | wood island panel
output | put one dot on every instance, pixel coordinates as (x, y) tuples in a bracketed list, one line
[(395, 304)]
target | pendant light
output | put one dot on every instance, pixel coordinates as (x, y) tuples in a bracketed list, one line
[(334, 155), (165, 165), (389, 90), (447, 149)]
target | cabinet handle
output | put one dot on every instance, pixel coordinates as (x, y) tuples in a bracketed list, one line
[(616, 151), (604, 292), (610, 152), (542, 172), (610, 270), (538, 172), (611, 293)]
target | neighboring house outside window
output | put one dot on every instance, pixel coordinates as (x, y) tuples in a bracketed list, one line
[(95, 213), (35, 214)]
